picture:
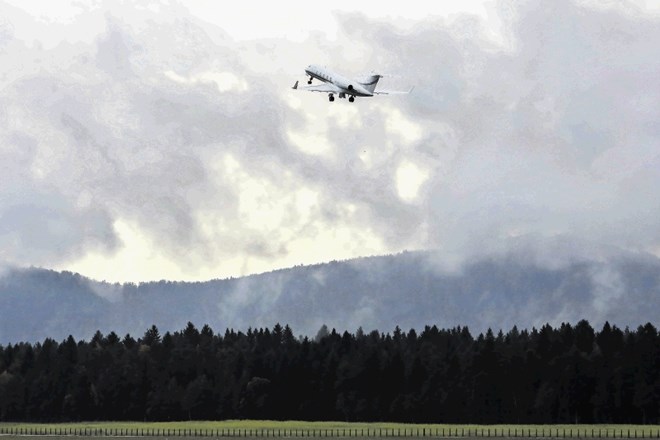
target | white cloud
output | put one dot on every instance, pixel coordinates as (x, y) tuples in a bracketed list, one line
[(139, 258), (224, 81), (167, 143), (399, 125), (409, 178), (295, 19)]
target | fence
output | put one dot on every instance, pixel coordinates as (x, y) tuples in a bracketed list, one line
[(448, 432)]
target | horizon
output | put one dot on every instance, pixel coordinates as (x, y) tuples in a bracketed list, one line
[(410, 290)]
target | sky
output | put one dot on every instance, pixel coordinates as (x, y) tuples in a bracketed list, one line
[(162, 140)]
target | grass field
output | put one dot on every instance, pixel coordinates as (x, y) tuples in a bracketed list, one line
[(266, 428)]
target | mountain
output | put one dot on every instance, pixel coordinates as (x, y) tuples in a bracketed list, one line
[(410, 290)]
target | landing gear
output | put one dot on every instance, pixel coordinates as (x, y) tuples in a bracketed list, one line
[(309, 81), (351, 99), (331, 98)]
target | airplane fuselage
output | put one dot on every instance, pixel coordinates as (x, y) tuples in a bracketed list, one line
[(347, 86)]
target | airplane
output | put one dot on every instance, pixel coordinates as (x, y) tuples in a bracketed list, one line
[(336, 84)]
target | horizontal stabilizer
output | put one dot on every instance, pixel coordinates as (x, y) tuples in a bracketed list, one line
[(393, 92)]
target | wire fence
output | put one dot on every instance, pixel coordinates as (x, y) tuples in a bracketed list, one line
[(440, 432)]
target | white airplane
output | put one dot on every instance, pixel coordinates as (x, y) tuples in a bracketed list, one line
[(336, 84)]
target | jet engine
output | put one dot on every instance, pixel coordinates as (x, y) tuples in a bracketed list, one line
[(351, 87)]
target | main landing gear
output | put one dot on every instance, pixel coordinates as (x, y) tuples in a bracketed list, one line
[(331, 97)]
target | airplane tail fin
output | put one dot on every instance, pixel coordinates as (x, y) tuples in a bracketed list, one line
[(370, 81)]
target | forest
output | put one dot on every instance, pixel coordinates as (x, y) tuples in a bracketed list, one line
[(568, 374)]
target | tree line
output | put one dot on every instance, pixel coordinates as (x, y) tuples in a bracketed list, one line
[(569, 374)]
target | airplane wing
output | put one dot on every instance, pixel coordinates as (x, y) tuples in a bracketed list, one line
[(325, 88)]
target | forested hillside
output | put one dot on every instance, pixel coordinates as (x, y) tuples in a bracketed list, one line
[(409, 290), (568, 374)]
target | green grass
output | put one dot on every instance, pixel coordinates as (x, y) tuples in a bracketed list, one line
[(261, 427)]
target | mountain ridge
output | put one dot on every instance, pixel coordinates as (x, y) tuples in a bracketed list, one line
[(409, 289)]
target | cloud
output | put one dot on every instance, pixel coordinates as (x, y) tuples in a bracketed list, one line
[(534, 127), (161, 121), (108, 128)]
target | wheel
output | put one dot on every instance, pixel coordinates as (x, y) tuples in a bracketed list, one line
[(309, 81), (351, 99), (331, 99)]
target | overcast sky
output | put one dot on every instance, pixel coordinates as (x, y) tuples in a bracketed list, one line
[(162, 140)]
